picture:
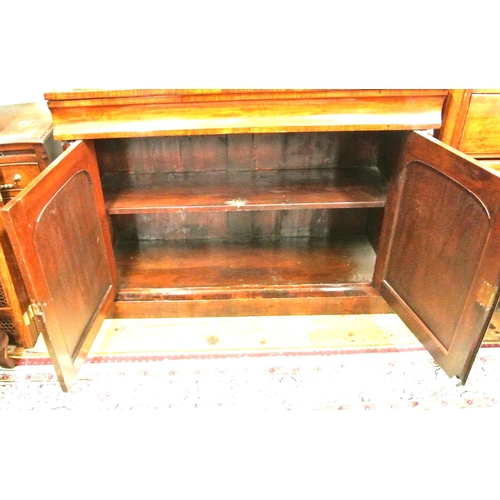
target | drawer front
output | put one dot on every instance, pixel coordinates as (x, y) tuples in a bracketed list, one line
[(482, 128), (17, 156), (27, 171)]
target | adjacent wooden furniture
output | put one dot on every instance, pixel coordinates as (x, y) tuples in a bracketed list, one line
[(27, 147), (5, 360), (257, 202), (472, 124)]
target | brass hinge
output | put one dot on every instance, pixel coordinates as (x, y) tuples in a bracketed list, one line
[(35, 311), (487, 295)]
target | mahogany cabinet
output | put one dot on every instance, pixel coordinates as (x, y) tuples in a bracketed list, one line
[(27, 147), (257, 202)]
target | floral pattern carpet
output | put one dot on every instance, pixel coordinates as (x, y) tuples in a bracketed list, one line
[(304, 380)]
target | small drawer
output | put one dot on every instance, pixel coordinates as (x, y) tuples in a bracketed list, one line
[(17, 156), (482, 127), (27, 171)]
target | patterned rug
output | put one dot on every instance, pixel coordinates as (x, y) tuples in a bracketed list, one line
[(357, 362), (326, 380)]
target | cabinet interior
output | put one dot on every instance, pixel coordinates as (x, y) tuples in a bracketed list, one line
[(245, 215)]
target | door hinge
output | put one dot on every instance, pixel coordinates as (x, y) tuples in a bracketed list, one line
[(35, 311), (487, 295)]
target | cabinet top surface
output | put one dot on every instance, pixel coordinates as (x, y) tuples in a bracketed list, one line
[(232, 93), (27, 122)]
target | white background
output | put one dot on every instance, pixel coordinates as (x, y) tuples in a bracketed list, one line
[(56, 45)]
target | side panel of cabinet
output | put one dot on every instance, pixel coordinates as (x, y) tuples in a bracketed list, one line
[(59, 233), (438, 264)]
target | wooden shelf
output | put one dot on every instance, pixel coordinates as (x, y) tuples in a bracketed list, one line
[(182, 270), (361, 187)]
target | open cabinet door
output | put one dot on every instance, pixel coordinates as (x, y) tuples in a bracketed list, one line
[(439, 255), (60, 236)]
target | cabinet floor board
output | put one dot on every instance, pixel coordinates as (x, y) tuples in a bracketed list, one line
[(191, 267)]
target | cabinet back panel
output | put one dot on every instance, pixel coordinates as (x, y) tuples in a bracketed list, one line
[(245, 152), (240, 226)]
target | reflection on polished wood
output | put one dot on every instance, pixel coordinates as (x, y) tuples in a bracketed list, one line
[(199, 267), (93, 115)]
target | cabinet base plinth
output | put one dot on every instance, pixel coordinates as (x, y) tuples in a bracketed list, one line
[(361, 304)]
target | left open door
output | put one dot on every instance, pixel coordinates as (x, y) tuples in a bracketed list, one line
[(61, 240)]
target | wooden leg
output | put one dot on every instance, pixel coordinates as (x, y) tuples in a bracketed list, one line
[(5, 360)]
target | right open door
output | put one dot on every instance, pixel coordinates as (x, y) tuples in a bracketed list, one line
[(439, 254)]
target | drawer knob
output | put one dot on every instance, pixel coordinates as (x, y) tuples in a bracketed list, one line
[(15, 181)]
